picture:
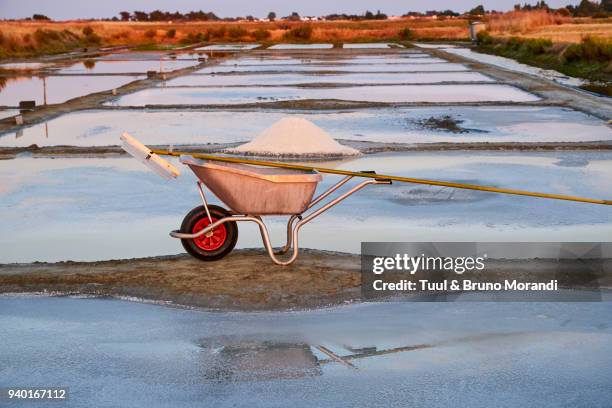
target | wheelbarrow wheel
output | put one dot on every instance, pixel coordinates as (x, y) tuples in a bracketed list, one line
[(217, 243)]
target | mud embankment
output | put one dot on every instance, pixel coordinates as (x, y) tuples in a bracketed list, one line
[(363, 147), (245, 280)]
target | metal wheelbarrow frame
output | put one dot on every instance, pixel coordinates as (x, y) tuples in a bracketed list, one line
[(293, 227)]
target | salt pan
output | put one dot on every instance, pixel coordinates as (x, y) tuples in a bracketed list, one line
[(295, 136)]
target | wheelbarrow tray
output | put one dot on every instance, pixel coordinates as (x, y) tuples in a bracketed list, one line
[(252, 190)]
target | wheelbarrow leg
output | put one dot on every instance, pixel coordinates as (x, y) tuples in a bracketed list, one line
[(287, 246), (296, 229), (324, 194)]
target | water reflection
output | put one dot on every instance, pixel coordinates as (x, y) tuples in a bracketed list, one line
[(56, 89), (89, 64), (243, 359), (238, 358)]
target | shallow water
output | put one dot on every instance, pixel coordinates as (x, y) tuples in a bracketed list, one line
[(335, 60), (435, 46), (24, 66), (300, 46), (152, 55), (7, 113), (294, 79), (115, 208), (126, 66), (376, 67), (381, 93), (298, 58), (59, 88), (227, 47), (114, 353), (388, 125), (407, 53), (370, 45)]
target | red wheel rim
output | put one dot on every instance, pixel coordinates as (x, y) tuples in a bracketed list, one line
[(211, 240)]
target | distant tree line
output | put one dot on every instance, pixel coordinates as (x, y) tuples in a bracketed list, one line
[(586, 8), (368, 15), (540, 5), (158, 15), (429, 13)]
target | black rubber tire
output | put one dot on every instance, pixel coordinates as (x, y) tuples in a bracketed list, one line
[(190, 221)]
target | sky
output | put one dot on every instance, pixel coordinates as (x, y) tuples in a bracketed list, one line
[(73, 9)]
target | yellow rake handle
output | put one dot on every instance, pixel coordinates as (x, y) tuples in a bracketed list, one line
[(384, 176)]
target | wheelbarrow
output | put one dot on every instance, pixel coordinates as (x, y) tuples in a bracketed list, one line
[(209, 232)]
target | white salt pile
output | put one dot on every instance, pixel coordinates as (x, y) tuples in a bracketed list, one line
[(295, 136)]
